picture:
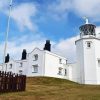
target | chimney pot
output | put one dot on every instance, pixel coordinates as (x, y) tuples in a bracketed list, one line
[(24, 54), (47, 45), (7, 58)]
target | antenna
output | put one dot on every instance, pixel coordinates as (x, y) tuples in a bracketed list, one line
[(86, 20), (7, 31)]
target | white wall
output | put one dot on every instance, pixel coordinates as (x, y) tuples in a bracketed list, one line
[(1, 67), (86, 61), (89, 62), (6, 66), (52, 65), (15, 66), (73, 72), (39, 62), (24, 66), (80, 60), (97, 57)]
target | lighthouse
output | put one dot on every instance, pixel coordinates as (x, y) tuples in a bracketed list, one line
[(88, 55)]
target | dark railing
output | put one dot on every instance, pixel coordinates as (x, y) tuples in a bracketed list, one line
[(10, 82)]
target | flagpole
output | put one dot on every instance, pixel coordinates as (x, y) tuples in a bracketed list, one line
[(7, 31)]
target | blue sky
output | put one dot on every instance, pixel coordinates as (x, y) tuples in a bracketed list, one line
[(34, 21)]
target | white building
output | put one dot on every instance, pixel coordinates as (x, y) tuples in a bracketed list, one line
[(39, 63), (45, 63), (88, 55)]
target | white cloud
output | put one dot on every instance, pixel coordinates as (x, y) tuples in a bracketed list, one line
[(22, 14), (61, 6), (59, 9), (89, 8)]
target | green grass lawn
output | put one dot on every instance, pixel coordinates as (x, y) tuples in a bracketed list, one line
[(44, 88)]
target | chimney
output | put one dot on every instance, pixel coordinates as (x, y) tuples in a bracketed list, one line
[(24, 54), (47, 45), (7, 58)]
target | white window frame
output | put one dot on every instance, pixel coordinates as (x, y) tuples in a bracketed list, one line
[(34, 68), (98, 62), (10, 66), (65, 72), (66, 62), (35, 56), (88, 44), (20, 72), (21, 64), (60, 71), (60, 61)]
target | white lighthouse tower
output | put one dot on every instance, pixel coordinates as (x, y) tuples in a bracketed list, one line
[(88, 55)]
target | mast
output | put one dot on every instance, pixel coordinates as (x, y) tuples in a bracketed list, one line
[(7, 31)]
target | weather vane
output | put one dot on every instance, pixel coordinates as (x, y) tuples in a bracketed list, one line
[(86, 20)]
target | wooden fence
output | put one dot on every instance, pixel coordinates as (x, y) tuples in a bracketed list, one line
[(12, 82)]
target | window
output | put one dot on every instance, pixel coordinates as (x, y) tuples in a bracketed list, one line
[(36, 57), (10, 66), (60, 71), (21, 64), (88, 44), (65, 72), (98, 63), (66, 62), (20, 72), (34, 68), (6, 67), (60, 61)]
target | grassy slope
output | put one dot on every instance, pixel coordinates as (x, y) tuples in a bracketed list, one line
[(44, 88)]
